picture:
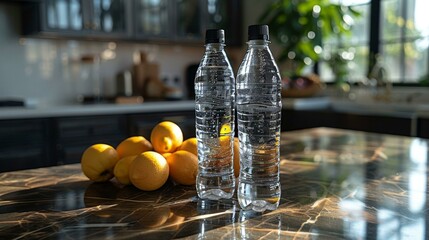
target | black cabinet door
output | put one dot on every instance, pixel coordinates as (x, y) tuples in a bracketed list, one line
[(169, 20), (74, 134), (110, 17), (180, 21), (152, 19), (79, 18), (185, 21), (142, 124), (423, 127), (24, 144), (64, 16)]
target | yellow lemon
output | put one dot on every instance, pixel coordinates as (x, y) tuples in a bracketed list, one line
[(166, 137), (183, 167), (225, 129), (149, 171), (224, 133), (236, 157), (121, 170), (98, 161), (190, 145), (133, 146)]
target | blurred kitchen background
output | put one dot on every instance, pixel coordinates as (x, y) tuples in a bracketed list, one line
[(70, 69), (53, 50)]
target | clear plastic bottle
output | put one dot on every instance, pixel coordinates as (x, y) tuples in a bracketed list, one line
[(214, 112), (259, 116)]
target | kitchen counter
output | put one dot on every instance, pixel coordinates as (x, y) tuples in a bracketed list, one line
[(94, 109), (335, 184), (299, 104)]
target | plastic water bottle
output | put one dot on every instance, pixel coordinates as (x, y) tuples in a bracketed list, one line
[(259, 116), (214, 112)]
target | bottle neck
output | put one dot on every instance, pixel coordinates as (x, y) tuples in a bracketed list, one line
[(214, 47), (258, 43)]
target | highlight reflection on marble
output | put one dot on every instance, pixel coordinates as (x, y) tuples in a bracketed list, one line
[(335, 184)]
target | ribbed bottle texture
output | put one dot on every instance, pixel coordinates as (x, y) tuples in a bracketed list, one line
[(214, 112), (259, 116)]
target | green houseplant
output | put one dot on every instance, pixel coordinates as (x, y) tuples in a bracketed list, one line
[(299, 27)]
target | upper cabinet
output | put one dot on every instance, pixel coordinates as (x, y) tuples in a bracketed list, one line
[(226, 15), (182, 21), (188, 21), (152, 19), (95, 18), (63, 16), (110, 16)]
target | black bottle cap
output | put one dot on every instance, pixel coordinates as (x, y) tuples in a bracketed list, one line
[(258, 32), (215, 36)]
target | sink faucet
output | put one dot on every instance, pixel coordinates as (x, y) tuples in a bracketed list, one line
[(382, 88)]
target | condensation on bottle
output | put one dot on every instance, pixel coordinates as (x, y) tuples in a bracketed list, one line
[(259, 107), (214, 112)]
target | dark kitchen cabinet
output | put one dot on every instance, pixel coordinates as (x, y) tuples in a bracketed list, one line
[(170, 20), (78, 18), (142, 124), (423, 127), (188, 20), (24, 144), (178, 21), (42, 142), (152, 19), (295, 120), (74, 134), (193, 17), (226, 15)]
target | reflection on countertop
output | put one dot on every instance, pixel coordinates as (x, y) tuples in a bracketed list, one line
[(336, 184)]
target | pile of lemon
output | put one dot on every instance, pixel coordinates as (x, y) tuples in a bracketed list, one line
[(145, 164)]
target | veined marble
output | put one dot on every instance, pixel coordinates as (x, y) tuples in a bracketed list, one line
[(336, 184)]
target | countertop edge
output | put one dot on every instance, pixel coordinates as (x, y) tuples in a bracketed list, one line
[(319, 103), (99, 109)]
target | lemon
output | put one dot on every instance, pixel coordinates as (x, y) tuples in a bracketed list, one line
[(166, 137), (98, 161), (121, 170), (149, 171), (190, 145), (224, 133), (225, 129), (183, 167), (133, 146)]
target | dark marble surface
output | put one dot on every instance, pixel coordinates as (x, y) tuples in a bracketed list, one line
[(336, 184)]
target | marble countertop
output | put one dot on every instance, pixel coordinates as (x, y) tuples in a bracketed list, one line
[(336, 184)]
